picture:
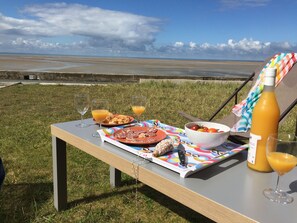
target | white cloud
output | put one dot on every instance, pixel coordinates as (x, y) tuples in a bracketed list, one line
[(243, 49), (29, 43), (178, 44), (247, 45), (101, 27), (205, 46), (231, 43), (192, 45)]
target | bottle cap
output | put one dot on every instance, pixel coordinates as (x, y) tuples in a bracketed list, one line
[(270, 74)]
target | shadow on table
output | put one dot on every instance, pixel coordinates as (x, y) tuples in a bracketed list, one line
[(293, 187), (17, 200), (221, 166)]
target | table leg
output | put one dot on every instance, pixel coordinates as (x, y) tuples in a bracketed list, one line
[(59, 173), (115, 176)]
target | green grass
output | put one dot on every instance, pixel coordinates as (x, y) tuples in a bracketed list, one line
[(26, 112)]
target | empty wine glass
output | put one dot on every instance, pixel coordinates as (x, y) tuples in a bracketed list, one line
[(82, 103), (281, 152)]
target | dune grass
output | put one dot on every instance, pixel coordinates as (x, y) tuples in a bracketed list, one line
[(26, 112)]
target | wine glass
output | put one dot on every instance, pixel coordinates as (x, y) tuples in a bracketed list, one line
[(138, 105), (99, 112), (82, 103), (281, 153)]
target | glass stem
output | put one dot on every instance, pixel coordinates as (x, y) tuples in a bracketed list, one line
[(277, 182), (81, 119)]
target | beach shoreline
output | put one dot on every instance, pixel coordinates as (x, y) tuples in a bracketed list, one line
[(73, 68)]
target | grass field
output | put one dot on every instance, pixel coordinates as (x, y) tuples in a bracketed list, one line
[(26, 112)]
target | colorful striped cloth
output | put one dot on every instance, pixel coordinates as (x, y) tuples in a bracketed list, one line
[(283, 62)]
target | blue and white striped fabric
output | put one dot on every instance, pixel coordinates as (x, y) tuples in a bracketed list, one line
[(283, 62)]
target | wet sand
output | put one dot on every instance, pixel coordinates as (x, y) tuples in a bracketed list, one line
[(129, 66)]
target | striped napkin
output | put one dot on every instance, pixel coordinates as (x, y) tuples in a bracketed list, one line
[(283, 62)]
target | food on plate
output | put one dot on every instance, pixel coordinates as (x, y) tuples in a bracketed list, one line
[(163, 147), (132, 133), (201, 128), (115, 119)]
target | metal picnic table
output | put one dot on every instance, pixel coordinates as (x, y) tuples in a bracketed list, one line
[(225, 192)]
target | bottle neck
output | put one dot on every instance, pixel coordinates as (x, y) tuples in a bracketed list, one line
[(269, 81), (268, 88)]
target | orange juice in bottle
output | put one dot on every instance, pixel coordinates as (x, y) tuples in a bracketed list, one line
[(265, 120)]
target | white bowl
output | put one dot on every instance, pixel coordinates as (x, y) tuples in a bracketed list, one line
[(206, 139)]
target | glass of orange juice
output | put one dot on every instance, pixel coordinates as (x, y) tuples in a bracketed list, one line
[(138, 105), (99, 112), (281, 152)]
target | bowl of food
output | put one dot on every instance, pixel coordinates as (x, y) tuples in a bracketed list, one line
[(207, 134)]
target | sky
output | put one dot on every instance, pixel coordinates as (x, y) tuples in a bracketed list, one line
[(183, 29)]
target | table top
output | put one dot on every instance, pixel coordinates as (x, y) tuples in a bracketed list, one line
[(225, 192)]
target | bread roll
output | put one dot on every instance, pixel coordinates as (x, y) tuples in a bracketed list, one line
[(163, 147)]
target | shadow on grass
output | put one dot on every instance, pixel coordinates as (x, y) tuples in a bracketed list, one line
[(173, 205), (158, 197), (19, 202), (167, 202), (94, 198)]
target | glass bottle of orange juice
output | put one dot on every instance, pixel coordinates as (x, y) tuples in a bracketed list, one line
[(265, 120)]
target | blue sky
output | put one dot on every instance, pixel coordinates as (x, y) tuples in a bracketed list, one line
[(189, 29)]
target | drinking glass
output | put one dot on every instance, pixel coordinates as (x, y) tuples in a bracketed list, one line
[(138, 105), (281, 153), (99, 112), (82, 103)]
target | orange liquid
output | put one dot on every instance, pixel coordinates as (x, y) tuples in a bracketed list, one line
[(138, 110), (281, 162), (264, 122), (99, 115)]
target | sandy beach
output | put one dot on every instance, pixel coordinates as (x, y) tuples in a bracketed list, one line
[(128, 66)]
